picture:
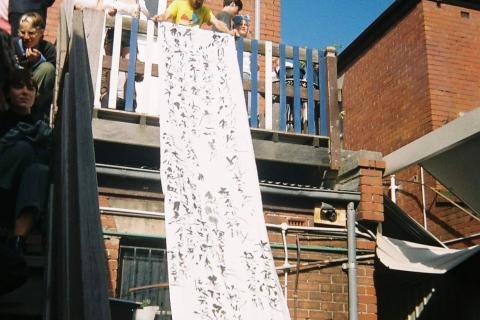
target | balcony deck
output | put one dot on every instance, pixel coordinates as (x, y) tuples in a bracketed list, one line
[(279, 136), (126, 128)]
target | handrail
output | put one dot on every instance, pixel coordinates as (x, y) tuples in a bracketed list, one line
[(79, 288), (301, 99), (142, 29), (305, 100)]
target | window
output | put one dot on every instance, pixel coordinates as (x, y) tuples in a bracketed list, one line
[(145, 266)]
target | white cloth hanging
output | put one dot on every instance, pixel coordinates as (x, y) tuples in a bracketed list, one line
[(220, 262)]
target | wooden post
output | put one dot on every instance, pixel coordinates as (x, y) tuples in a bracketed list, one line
[(333, 113)]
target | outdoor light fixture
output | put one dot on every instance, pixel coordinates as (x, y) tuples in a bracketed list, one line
[(327, 212)]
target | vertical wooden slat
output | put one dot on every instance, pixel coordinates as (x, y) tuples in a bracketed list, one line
[(310, 88), (162, 5), (254, 82), (98, 82), (333, 108), (94, 24), (117, 40), (322, 86), (132, 63), (239, 44), (268, 86), (282, 83), (147, 75), (297, 116)]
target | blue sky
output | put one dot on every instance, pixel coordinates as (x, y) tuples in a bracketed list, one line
[(319, 23)]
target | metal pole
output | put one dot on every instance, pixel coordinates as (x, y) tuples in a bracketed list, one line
[(352, 262), (286, 264), (257, 19), (424, 201), (393, 189)]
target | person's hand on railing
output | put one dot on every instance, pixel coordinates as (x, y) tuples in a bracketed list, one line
[(111, 12), (160, 17), (136, 12)]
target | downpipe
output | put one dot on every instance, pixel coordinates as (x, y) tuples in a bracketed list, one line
[(352, 263)]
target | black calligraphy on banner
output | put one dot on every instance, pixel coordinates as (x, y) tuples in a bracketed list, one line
[(219, 258)]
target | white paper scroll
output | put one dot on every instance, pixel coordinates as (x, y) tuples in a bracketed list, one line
[(219, 257)]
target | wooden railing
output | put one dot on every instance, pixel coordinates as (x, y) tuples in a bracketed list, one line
[(286, 103), (76, 270)]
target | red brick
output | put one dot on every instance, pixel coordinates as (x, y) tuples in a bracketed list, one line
[(410, 81), (320, 315)]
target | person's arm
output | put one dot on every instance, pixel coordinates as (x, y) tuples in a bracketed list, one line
[(88, 4), (220, 25), (169, 14), (143, 8), (166, 16)]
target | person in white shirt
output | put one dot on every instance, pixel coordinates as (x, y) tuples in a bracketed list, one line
[(4, 24), (134, 8)]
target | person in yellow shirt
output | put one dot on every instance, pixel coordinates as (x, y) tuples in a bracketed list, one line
[(191, 13)]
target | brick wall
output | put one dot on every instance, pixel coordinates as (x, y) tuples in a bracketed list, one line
[(453, 48), (269, 11), (322, 292), (112, 248), (418, 76), (370, 186), (385, 92)]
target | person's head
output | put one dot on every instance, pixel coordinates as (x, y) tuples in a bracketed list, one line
[(232, 6), (242, 25), (20, 91), (31, 29), (196, 4)]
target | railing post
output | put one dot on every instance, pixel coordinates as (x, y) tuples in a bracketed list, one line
[(333, 113), (132, 63), (112, 95), (268, 86), (254, 85)]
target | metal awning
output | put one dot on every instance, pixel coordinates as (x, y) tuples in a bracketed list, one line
[(451, 154), (414, 257)]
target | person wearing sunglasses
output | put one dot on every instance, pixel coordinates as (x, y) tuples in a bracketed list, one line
[(37, 55), (24, 155)]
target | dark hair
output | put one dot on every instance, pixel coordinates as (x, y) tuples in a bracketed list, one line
[(238, 3), (7, 56), (19, 78)]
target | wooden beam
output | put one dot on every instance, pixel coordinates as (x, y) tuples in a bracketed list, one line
[(288, 148), (333, 112)]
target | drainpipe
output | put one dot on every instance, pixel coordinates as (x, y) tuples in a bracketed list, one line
[(352, 262), (424, 201), (393, 189), (286, 265), (257, 19)]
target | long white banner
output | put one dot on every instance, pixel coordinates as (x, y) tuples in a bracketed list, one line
[(219, 258)]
